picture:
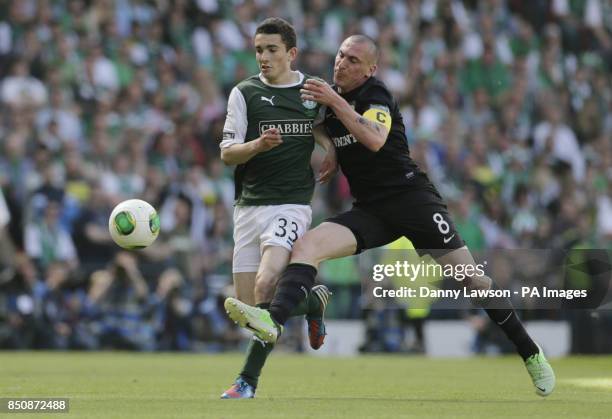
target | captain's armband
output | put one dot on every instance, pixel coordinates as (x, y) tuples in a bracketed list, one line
[(379, 114)]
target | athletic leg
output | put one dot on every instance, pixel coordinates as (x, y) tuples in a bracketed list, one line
[(343, 235), (275, 253), (423, 218), (327, 241), (273, 261), (245, 265), (244, 286), (502, 312)]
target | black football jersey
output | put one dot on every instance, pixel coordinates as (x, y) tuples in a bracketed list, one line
[(373, 175)]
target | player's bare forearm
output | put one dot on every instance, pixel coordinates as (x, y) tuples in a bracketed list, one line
[(369, 133), (241, 153), (238, 153)]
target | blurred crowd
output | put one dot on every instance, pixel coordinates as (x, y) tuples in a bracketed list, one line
[(507, 106)]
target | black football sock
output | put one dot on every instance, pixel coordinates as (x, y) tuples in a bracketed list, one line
[(308, 306), (257, 353), (293, 287), (509, 322), (302, 308), (501, 311)]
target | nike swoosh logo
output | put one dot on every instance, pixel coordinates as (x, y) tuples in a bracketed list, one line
[(447, 239), (541, 389)]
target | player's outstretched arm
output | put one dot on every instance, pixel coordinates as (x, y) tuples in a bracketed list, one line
[(371, 134), (243, 152)]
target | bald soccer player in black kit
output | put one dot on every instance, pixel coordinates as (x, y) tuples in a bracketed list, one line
[(393, 198)]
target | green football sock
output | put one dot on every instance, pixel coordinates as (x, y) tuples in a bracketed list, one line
[(257, 353)]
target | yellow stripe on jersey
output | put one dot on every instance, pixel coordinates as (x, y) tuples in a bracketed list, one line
[(380, 116)]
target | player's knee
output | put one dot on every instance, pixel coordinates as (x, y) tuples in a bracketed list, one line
[(305, 249)]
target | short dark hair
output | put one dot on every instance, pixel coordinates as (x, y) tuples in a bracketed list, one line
[(276, 25)]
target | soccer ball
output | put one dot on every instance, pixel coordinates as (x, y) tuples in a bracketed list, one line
[(134, 224)]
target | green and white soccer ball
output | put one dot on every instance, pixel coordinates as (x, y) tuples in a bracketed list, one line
[(134, 224)]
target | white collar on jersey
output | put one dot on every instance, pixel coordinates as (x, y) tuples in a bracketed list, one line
[(300, 80)]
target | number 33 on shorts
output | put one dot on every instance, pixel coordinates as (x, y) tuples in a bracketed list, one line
[(286, 229), (288, 224)]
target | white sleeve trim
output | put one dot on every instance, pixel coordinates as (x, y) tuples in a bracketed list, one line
[(235, 128)]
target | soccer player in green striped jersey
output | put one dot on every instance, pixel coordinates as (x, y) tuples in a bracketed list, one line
[(268, 134)]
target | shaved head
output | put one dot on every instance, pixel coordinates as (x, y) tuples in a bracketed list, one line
[(372, 48), (355, 62)]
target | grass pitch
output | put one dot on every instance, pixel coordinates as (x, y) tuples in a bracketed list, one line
[(124, 385)]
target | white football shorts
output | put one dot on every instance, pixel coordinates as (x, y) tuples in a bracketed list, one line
[(256, 227)]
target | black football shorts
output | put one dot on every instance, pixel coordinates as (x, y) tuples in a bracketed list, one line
[(419, 214)]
